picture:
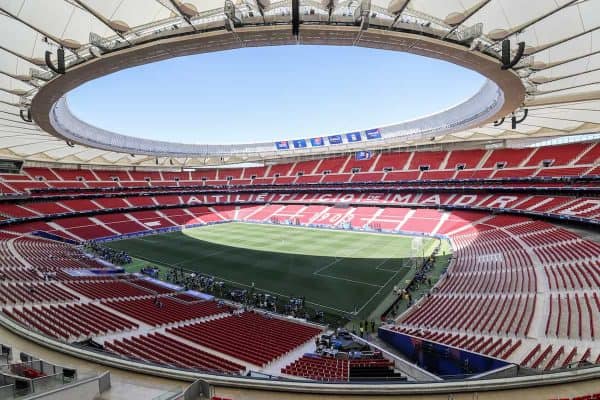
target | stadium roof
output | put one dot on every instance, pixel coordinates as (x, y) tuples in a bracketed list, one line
[(557, 79)]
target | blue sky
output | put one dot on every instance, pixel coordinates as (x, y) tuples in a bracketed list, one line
[(271, 93)]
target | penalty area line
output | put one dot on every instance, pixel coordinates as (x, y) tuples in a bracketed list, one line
[(338, 258), (385, 269), (348, 280), (377, 292)]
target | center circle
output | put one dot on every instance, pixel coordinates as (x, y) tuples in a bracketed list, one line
[(271, 93)]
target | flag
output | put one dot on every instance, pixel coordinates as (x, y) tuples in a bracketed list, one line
[(353, 137), (373, 134), (335, 139), (283, 145), (317, 141), (299, 143)]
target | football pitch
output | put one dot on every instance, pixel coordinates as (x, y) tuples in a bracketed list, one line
[(340, 272)]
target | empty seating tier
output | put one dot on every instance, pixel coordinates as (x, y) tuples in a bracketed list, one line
[(475, 313), (46, 255), (186, 297), (319, 368), (576, 157), (255, 338), (153, 287), (161, 349), (164, 310), (70, 322), (17, 293), (18, 274), (330, 369), (377, 368), (108, 289)]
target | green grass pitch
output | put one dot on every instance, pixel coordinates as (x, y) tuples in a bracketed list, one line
[(337, 271)]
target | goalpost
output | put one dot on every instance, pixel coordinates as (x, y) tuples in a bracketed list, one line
[(416, 245), (416, 248)]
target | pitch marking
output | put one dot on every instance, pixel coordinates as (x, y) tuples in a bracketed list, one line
[(248, 286), (348, 280)]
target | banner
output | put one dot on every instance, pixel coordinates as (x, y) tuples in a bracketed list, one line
[(318, 141), (373, 134), (363, 155), (353, 137), (335, 139), (299, 143), (283, 145)]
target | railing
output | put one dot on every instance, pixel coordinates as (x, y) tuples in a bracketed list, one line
[(5, 354), (85, 388), (7, 392), (46, 383), (169, 396), (18, 370), (199, 389)]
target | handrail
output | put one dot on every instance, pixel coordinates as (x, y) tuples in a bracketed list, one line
[(72, 385)]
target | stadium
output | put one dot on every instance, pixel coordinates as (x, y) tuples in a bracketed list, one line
[(451, 255)]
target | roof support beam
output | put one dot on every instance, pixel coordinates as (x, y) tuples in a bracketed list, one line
[(559, 42), (560, 108), (57, 146), (9, 113), (19, 134), (19, 79), (502, 129), (399, 13), (50, 36), (19, 121), (469, 14), (565, 76), (100, 18), (76, 153), (563, 119), (402, 7), (32, 61), (529, 23), (551, 128), (563, 99), (565, 88), (11, 104), (182, 14), (19, 127), (557, 63)]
